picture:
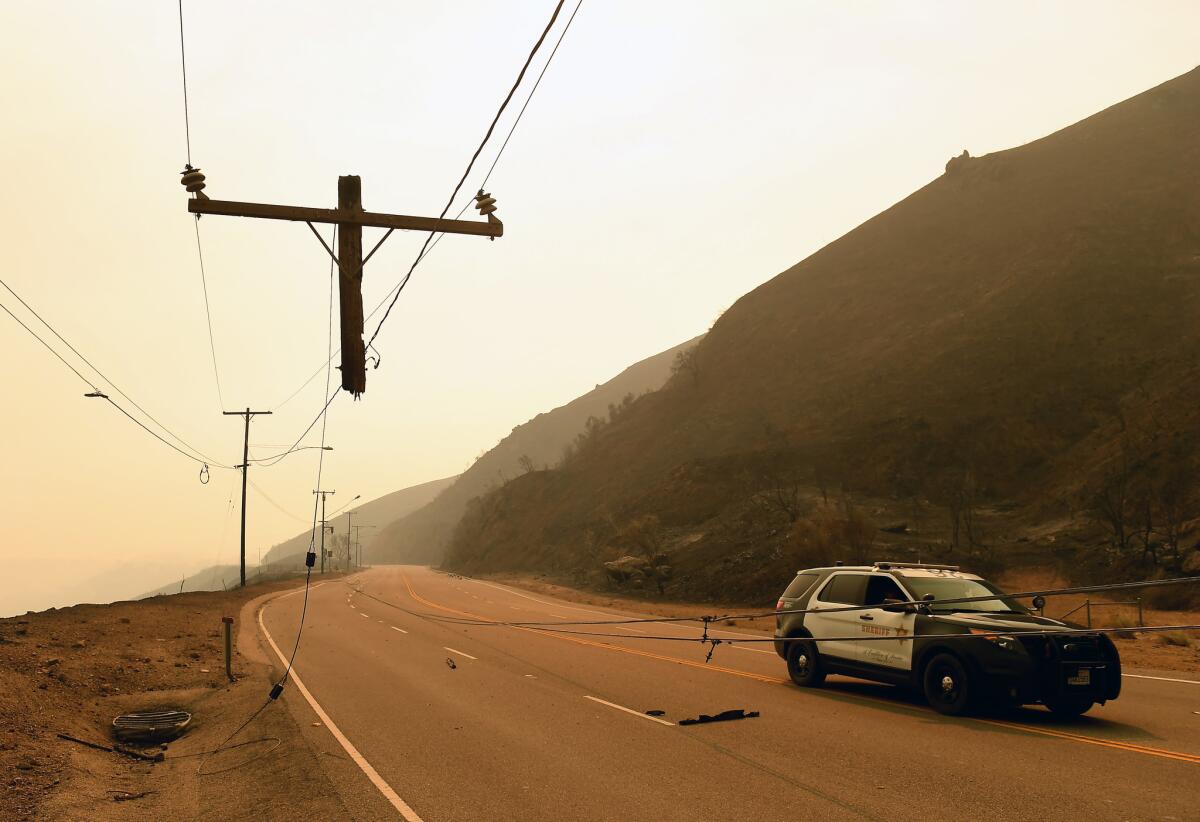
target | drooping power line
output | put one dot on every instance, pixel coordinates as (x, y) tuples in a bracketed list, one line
[(202, 458)]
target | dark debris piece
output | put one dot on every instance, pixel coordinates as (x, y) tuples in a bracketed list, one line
[(450, 663), (724, 716), (655, 712)]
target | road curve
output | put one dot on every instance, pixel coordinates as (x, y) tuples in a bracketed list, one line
[(468, 722)]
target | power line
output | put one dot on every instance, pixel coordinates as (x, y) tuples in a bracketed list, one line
[(48, 348), (209, 460), (532, 91), (98, 393), (187, 127), (212, 346), (277, 506), (470, 165)]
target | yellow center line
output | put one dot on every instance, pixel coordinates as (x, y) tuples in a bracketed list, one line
[(1131, 747)]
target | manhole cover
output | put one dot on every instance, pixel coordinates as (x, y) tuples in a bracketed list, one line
[(151, 726)]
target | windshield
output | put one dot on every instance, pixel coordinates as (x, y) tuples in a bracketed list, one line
[(955, 588)]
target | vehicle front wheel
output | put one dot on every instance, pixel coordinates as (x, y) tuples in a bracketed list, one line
[(948, 686), (804, 664), (1069, 706)]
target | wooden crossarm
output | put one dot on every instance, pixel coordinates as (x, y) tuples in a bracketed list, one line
[(230, 208)]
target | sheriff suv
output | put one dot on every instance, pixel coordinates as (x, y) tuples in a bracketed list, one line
[(957, 654)]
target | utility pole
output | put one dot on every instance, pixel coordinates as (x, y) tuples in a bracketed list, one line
[(350, 219), (357, 543), (349, 554), (323, 495), (245, 466)]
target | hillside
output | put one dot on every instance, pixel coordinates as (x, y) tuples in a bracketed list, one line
[(422, 536), (378, 513), (987, 354)]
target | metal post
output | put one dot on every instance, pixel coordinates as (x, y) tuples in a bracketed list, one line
[(1141, 616), (1088, 602), (228, 623)]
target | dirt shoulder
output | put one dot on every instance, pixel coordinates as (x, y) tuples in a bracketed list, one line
[(71, 670), (1175, 653)]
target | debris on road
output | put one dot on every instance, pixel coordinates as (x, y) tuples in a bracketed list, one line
[(724, 716), (450, 663), (655, 712)]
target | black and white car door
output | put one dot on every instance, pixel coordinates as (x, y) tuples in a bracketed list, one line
[(843, 588), (886, 620)]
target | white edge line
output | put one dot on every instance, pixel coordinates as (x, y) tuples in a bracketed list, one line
[(401, 630), (378, 781), (460, 653), (1163, 679), (755, 650), (629, 710)]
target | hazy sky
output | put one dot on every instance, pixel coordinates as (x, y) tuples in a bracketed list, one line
[(677, 155)]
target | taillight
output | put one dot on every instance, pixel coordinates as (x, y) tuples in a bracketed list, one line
[(779, 604)]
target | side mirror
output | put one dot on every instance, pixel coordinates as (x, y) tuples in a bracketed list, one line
[(1039, 603), (928, 598)]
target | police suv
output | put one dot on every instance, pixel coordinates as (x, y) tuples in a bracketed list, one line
[(958, 654)]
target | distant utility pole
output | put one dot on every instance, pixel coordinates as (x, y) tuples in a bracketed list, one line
[(357, 544), (349, 555), (350, 219), (323, 495), (245, 466)]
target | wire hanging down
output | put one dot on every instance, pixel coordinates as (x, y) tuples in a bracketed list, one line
[(187, 126), (487, 136), (212, 346)]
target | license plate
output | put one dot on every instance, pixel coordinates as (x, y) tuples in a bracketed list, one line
[(1083, 676)]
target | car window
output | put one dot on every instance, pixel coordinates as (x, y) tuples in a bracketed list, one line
[(847, 589), (883, 588), (800, 585), (960, 587)]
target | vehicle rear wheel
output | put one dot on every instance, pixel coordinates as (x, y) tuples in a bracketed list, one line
[(948, 686), (804, 664), (1069, 706)]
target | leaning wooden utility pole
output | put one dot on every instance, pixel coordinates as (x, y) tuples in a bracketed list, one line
[(245, 466), (350, 219)]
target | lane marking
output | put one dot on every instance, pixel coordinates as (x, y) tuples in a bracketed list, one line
[(401, 630), (1124, 746), (460, 653), (1163, 679), (380, 621), (364, 616), (629, 710), (378, 781), (755, 650)]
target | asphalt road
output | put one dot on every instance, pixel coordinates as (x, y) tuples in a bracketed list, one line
[(534, 726)]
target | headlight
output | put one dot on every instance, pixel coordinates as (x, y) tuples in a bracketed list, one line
[(1008, 643)]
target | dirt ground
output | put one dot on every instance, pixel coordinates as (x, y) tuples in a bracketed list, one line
[(1175, 652), (71, 670)]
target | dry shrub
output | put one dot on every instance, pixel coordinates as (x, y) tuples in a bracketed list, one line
[(1177, 638), (830, 533), (1122, 619)]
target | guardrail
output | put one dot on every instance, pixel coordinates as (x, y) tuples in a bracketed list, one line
[(1089, 604)]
